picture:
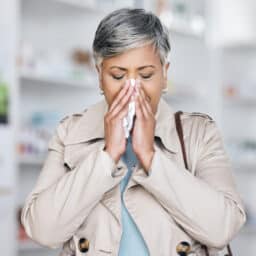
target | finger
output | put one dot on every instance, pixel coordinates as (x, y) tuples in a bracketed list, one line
[(138, 95), (123, 112), (145, 100), (145, 109), (142, 104), (120, 95), (148, 106), (144, 95), (123, 102), (138, 110)]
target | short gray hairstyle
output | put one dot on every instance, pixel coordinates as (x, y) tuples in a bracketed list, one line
[(129, 28)]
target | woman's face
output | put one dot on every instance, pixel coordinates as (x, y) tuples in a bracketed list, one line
[(139, 63)]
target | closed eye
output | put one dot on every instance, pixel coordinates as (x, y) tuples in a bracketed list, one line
[(118, 77), (146, 76), (143, 76)]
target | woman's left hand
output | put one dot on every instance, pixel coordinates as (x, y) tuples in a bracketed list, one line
[(143, 129)]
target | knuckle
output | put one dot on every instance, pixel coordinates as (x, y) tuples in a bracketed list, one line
[(106, 117)]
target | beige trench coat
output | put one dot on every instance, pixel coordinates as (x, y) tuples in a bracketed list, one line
[(77, 195)]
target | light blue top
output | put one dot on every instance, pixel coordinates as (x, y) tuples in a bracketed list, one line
[(132, 242)]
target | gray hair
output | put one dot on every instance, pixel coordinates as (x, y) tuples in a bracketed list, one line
[(129, 28)]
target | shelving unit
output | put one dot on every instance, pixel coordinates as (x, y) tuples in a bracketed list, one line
[(207, 68), (249, 102), (5, 191), (8, 35), (186, 32), (88, 83), (87, 5), (239, 111), (29, 246), (35, 161)]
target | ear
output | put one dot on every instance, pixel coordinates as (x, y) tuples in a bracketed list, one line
[(165, 69), (99, 75)]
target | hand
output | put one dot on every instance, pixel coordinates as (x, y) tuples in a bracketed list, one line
[(144, 129), (115, 141)]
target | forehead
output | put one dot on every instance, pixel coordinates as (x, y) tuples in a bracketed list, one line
[(137, 57)]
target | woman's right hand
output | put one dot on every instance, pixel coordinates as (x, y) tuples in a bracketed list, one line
[(115, 141)]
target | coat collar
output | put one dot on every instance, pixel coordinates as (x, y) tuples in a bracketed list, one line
[(91, 125)]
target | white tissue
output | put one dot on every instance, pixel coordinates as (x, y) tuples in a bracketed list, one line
[(128, 120)]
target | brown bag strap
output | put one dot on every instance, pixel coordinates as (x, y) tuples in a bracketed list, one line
[(180, 135)]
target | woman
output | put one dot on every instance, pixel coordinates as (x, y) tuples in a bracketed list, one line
[(102, 194)]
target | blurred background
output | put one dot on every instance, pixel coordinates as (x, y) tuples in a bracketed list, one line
[(47, 72)]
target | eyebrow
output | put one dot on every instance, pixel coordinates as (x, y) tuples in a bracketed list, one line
[(140, 68)]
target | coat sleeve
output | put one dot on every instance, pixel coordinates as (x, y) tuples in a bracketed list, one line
[(61, 199), (207, 205)]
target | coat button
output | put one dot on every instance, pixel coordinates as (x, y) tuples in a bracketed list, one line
[(83, 245), (183, 248)]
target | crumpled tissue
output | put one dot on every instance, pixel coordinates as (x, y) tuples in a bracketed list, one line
[(128, 120)]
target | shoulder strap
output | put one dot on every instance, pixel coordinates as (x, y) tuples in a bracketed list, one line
[(180, 135)]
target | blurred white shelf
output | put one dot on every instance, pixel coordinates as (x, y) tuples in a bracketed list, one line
[(247, 162), (4, 191), (182, 96), (194, 27), (29, 246), (88, 83), (31, 160), (245, 101), (186, 31), (249, 229), (249, 165), (95, 6), (81, 4)]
